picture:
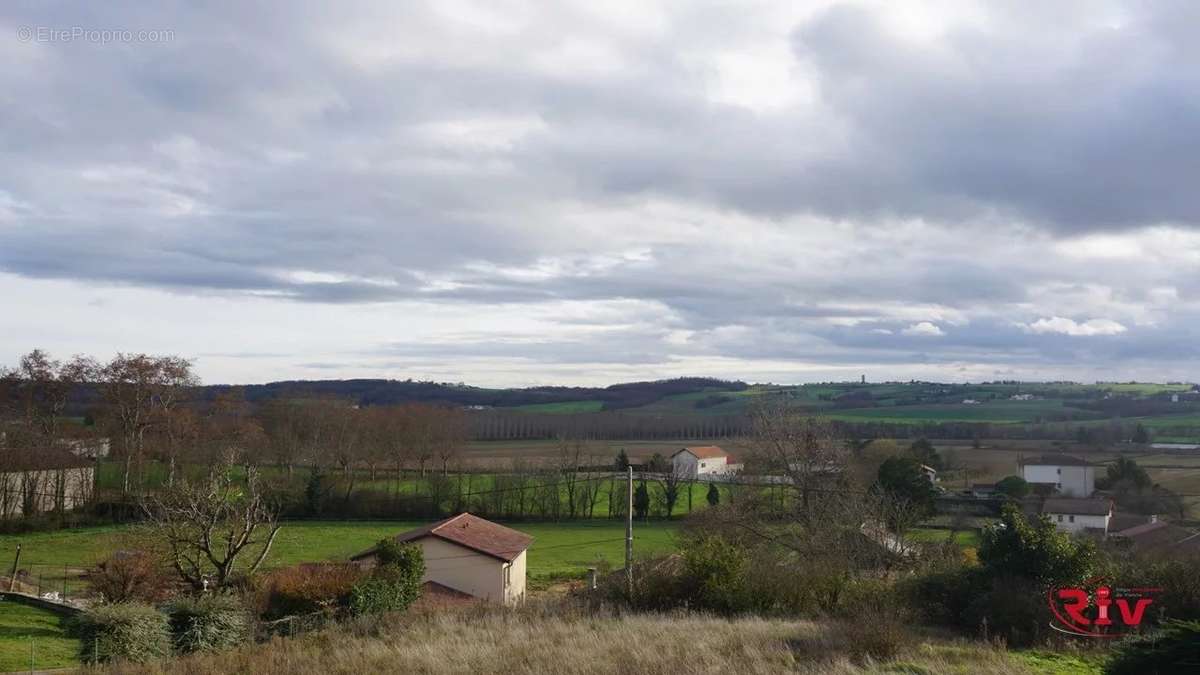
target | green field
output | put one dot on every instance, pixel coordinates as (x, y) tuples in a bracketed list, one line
[(562, 408), (994, 412), (559, 549), (963, 538), (21, 626)]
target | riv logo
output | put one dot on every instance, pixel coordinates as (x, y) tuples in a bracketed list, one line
[(1104, 611)]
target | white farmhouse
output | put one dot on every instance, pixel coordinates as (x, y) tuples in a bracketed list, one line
[(1070, 476), (704, 460), (1077, 515), (470, 555)]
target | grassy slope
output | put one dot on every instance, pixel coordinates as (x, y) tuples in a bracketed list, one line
[(559, 548), (19, 623), (527, 641), (564, 407)]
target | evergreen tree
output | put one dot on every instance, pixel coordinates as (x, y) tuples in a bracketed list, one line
[(622, 461), (641, 501), (714, 495)]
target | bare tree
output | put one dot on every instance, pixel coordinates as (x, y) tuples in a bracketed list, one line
[(815, 515), (135, 386), (452, 434), (283, 423), (176, 423), (671, 482), (38, 391), (207, 526)]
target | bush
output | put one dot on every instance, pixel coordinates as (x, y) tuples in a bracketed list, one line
[(1014, 609), (944, 595), (394, 584), (880, 637), (128, 631), (714, 575), (1177, 577), (209, 623), (307, 588), (1034, 549), (1173, 649), (129, 576)]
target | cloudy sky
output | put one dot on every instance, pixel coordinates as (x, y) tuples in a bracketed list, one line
[(528, 193)]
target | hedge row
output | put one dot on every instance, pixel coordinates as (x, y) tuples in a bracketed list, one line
[(137, 632)]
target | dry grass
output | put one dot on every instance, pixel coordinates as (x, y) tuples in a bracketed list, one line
[(536, 640)]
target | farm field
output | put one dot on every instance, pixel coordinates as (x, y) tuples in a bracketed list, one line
[(962, 538), (995, 412), (19, 625), (559, 549)]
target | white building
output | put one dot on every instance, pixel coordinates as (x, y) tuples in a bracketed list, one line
[(43, 480), (1077, 515), (704, 460), (1070, 476), (929, 472), (470, 555)]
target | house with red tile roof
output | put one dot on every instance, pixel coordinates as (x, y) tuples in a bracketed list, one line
[(703, 460), (469, 555)]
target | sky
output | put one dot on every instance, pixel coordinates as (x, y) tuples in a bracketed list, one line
[(525, 193)]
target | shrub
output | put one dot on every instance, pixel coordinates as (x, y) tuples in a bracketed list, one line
[(1173, 649), (1177, 577), (127, 576), (880, 636), (394, 584), (128, 631), (307, 588), (943, 596), (209, 623), (1035, 550), (1013, 608), (714, 575)]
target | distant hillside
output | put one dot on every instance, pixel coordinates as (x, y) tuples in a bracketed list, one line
[(386, 392)]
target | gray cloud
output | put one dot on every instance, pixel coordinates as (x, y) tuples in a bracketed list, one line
[(979, 174)]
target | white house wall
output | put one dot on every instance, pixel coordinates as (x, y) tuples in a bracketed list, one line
[(1066, 522), (464, 570)]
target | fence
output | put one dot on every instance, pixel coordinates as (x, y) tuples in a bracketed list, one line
[(56, 582)]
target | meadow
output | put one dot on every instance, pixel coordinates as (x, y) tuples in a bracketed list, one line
[(559, 550), (21, 624), (539, 638)]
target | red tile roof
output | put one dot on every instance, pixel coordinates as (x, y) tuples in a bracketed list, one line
[(471, 532), (1161, 535), (1078, 507), (705, 452)]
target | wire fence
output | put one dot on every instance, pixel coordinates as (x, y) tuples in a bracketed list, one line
[(55, 582)]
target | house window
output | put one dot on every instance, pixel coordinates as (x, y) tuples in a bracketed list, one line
[(508, 575), (1072, 518), (701, 465), (1060, 517)]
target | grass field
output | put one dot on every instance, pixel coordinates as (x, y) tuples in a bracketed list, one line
[(559, 550), (20, 625), (963, 538), (563, 407), (541, 640), (995, 412)]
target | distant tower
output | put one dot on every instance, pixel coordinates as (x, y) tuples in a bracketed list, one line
[(864, 379)]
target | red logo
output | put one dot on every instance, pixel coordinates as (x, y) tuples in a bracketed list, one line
[(1105, 611)]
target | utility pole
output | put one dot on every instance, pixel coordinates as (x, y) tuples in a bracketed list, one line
[(12, 580), (629, 536)]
